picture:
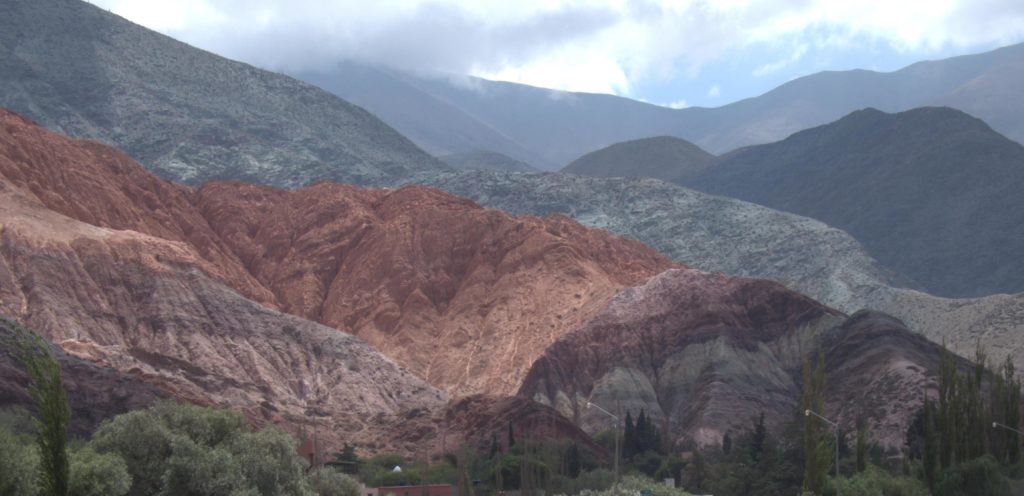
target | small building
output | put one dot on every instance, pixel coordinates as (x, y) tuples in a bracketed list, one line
[(423, 490)]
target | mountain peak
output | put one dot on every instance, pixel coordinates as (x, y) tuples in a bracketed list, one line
[(662, 157)]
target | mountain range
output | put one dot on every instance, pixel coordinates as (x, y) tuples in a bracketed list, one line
[(924, 190), (720, 234), (396, 317), (177, 287), (458, 113)]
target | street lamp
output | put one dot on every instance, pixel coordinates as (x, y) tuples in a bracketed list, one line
[(997, 425), (612, 415), (835, 428)]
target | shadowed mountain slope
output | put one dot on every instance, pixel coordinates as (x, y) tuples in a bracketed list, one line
[(932, 193), (711, 352), (187, 114), (664, 157), (483, 160)]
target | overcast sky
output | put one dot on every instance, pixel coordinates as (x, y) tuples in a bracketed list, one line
[(673, 53)]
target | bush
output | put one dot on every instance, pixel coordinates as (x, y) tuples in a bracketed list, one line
[(98, 474), (978, 477), (874, 481), (329, 482)]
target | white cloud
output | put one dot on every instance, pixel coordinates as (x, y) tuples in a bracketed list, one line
[(599, 45), (678, 104), (793, 58), (715, 91)]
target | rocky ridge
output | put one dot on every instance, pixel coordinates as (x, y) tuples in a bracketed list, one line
[(720, 234)]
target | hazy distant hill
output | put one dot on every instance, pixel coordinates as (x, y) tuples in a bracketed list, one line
[(562, 126), (663, 157), (439, 127), (932, 193), (187, 114), (483, 160)]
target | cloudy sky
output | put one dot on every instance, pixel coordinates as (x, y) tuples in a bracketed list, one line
[(673, 53)]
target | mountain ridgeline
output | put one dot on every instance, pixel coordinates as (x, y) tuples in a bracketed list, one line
[(932, 193), (549, 128), (186, 114)]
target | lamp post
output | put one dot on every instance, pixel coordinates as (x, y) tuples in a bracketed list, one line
[(835, 428), (612, 415), (996, 425)]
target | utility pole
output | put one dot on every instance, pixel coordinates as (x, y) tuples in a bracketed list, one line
[(616, 417), (835, 428)]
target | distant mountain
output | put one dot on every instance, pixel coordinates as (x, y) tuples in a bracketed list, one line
[(436, 125), (484, 160), (663, 157), (187, 114), (932, 193), (734, 237), (561, 126)]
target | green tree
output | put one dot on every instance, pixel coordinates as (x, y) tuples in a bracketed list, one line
[(330, 482), (629, 444), (696, 472), (98, 474), (930, 454), (19, 464), (52, 410), (759, 436), (143, 441), (863, 444), (269, 461), (573, 462), (817, 448)]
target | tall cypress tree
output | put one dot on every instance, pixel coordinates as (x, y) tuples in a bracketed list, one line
[(628, 437), (930, 452), (53, 412)]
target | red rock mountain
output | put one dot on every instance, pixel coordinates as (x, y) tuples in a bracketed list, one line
[(185, 288)]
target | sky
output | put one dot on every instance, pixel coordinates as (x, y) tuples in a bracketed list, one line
[(672, 53)]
